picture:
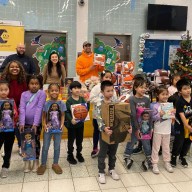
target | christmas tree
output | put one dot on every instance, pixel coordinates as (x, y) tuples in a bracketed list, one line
[(183, 64)]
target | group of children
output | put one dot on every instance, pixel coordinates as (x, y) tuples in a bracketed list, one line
[(146, 121)]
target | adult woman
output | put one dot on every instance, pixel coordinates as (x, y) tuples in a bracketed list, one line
[(14, 74), (53, 71)]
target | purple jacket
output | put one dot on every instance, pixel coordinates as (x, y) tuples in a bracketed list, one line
[(30, 110)]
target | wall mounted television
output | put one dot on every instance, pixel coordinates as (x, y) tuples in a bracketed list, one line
[(167, 17)]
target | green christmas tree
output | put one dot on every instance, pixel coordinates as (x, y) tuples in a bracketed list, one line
[(183, 65)]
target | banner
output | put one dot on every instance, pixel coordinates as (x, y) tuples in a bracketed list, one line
[(10, 36)]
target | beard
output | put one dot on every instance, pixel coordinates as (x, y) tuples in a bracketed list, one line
[(20, 54)]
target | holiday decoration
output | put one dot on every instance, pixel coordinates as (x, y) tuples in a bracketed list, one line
[(183, 64), (142, 39)]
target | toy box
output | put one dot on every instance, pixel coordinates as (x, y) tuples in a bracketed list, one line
[(117, 117), (28, 146), (7, 115)]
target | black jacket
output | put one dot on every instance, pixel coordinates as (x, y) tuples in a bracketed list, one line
[(25, 60)]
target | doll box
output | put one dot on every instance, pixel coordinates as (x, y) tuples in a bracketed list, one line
[(116, 116), (28, 146), (7, 115)]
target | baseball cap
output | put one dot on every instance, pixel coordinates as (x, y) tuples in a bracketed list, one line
[(86, 43)]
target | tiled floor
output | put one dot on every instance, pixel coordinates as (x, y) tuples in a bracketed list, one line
[(83, 177)]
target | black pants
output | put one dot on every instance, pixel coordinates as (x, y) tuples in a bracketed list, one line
[(37, 141), (18, 136), (75, 134), (7, 139), (96, 133), (181, 145), (105, 149)]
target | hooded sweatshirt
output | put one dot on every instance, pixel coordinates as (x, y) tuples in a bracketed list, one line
[(83, 64)]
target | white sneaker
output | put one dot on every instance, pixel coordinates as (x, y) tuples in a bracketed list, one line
[(35, 165), (20, 151), (168, 167), (4, 172), (27, 167), (102, 179), (155, 169), (113, 174)]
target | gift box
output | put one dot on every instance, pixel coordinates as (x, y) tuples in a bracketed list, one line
[(99, 59), (117, 117), (28, 146), (7, 115)]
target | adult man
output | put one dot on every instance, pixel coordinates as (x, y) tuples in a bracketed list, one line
[(85, 67), (20, 56)]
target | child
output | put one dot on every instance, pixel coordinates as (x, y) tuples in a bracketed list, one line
[(95, 98), (14, 74), (138, 104), (162, 131), (31, 106), (182, 143), (75, 130), (173, 80), (107, 90), (53, 91), (6, 138)]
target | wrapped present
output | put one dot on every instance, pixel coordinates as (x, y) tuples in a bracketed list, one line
[(99, 59), (127, 67)]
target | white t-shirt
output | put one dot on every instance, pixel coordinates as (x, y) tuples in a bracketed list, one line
[(172, 90), (163, 127)]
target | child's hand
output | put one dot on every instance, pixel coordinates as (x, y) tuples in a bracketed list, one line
[(130, 130), (35, 128), (62, 127), (21, 128), (73, 122), (108, 131), (45, 128), (189, 127), (162, 113)]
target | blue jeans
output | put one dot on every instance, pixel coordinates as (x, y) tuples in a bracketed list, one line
[(46, 143), (146, 147), (129, 147)]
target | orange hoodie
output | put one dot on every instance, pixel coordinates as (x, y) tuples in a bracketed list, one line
[(83, 64)]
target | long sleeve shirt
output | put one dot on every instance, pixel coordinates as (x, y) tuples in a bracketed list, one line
[(31, 107), (83, 64), (68, 113), (15, 91), (135, 104), (100, 122), (96, 97), (53, 77)]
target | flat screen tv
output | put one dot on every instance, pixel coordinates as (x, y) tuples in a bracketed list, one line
[(167, 17)]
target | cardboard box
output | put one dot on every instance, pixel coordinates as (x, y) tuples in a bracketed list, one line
[(116, 116)]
